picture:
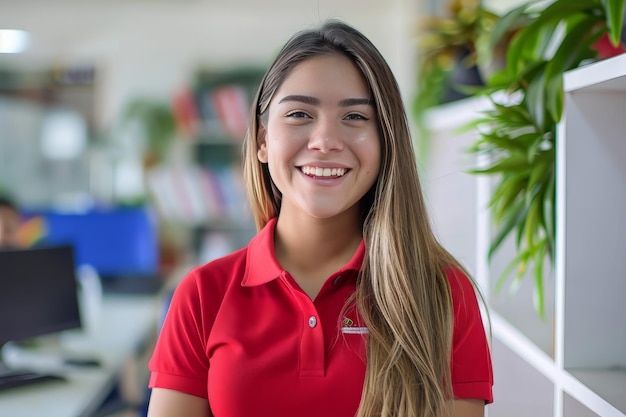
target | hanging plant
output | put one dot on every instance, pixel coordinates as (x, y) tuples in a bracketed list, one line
[(518, 134)]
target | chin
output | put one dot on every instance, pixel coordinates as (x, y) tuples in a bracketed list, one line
[(330, 213)]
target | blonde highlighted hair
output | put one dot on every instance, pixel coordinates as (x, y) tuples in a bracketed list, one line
[(403, 292)]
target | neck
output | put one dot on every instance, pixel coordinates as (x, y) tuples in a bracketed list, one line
[(307, 244)]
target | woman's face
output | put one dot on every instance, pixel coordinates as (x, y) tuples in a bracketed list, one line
[(321, 140)]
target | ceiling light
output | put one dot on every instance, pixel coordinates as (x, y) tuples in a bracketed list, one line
[(13, 41)]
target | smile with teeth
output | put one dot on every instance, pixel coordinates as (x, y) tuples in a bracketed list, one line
[(323, 172)]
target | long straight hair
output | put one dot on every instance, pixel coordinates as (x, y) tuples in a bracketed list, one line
[(403, 292)]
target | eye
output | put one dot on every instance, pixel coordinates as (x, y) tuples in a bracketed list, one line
[(355, 116), (298, 115)]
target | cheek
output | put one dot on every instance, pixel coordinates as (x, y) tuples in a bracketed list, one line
[(370, 149), (365, 139), (283, 146), (374, 170)]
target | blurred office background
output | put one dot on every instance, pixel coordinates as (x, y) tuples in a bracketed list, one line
[(121, 121), (104, 108), (119, 105)]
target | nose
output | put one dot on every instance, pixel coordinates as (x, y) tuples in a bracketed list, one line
[(326, 137)]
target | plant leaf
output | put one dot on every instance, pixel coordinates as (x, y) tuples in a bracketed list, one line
[(505, 274), (614, 12), (535, 101), (506, 194), (554, 97), (575, 47), (549, 211), (503, 142), (538, 293), (508, 22), (510, 164), (520, 261), (517, 211), (559, 10), (532, 222)]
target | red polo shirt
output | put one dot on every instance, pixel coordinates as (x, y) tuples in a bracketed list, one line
[(240, 332)]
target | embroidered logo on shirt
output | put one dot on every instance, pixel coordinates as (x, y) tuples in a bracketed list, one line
[(348, 329), (354, 330)]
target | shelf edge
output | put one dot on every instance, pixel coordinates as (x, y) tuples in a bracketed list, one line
[(587, 397), (521, 345), (517, 342), (595, 73)]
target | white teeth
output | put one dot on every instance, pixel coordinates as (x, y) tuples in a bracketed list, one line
[(324, 172)]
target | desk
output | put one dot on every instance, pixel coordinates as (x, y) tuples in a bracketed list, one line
[(125, 325)]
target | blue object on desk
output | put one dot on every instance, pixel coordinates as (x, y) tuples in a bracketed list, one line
[(119, 242)]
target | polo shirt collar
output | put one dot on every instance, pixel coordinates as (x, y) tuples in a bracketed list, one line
[(262, 265)]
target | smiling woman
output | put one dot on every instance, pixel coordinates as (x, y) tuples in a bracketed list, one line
[(321, 119), (344, 303)]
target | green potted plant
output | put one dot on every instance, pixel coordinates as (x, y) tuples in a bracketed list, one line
[(159, 125), (448, 51), (519, 132), (455, 55)]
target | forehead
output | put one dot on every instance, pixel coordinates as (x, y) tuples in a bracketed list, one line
[(328, 75)]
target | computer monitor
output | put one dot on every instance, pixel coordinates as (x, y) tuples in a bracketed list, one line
[(38, 293), (117, 243)]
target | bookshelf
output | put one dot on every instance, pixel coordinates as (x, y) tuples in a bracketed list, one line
[(573, 364), (591, 202), (213, 114), (47, 126)]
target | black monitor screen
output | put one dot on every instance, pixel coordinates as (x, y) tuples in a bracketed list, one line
[(38, 292)]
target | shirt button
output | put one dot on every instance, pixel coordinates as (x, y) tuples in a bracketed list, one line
[(312, 322), (337, 280)]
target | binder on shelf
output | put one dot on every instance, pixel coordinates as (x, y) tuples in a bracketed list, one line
[(223, 99), (198, 195), (210, 123), (231, 105), (185, 113), (223, 112)]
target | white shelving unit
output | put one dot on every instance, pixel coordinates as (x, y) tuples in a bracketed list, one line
[(591, 241), (522, 345), (573, 364)]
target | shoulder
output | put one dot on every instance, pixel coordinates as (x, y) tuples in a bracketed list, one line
[(227, 267), (462, 288), (465, 300), (219, 273), (207, 283), (472, 375)]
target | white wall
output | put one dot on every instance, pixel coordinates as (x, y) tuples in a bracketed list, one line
[(153, 46)]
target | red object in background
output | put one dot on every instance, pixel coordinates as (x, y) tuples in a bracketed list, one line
[(185, 113), (606, 49), (231, 105)]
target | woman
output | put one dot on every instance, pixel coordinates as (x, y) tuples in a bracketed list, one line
[(344, 303)]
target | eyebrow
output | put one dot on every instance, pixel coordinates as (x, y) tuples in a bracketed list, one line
[(355, 102), (347, 102)]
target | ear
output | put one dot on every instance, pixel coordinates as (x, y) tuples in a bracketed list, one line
[(262, 144)]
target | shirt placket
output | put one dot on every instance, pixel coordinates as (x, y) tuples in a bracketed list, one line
[(312, 352)]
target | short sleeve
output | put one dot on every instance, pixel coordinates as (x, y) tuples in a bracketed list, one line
[(179, 361), (472, 373)]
